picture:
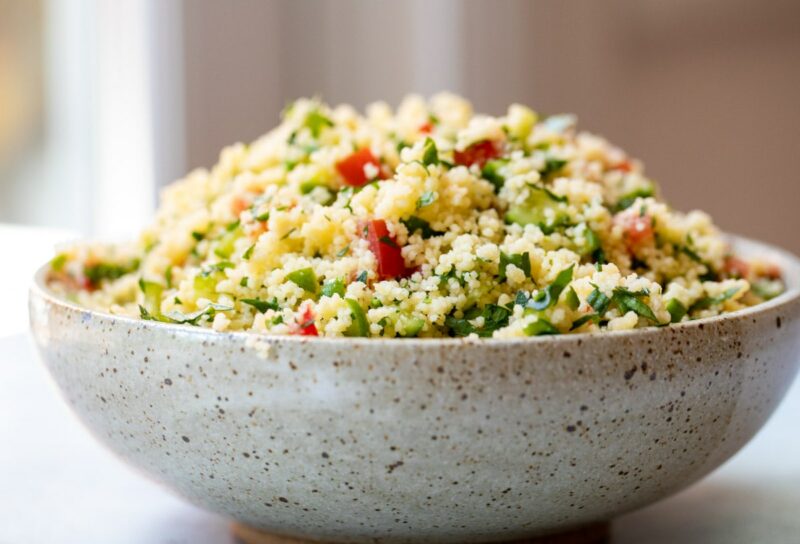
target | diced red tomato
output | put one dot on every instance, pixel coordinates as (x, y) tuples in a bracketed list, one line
[(352, 167), (638, 230), (238, 205), (736, 267), (478, 153), (86, 284), (624, 166), (385, 248), (426, 128), (771, 271), (306, 327)]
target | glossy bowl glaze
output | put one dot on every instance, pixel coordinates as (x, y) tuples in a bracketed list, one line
[(369, 440)]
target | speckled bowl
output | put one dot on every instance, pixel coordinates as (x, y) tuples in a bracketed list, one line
[(359, 440)]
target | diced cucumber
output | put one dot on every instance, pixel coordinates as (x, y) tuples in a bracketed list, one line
[(360, 325), (305, 278), (534, 211)]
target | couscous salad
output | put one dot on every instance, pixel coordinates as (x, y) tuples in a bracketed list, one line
[(427, 221)]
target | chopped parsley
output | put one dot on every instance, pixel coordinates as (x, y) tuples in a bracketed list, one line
[(248, 253), (430, 155), (629, 301), (549, 295), (707, 302), (598, 300), (520, 260), (262, 305), (426, 199), (99, 272), (414, 224), (552, 166), (494, 318)]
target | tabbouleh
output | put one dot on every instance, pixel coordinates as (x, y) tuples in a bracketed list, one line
[(430, 221)]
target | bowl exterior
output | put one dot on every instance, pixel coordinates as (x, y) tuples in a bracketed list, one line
[(452, 441)]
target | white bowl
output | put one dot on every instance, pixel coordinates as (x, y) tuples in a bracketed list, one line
[(423, 440)]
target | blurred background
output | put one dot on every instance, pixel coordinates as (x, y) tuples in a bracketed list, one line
[(102, 102)]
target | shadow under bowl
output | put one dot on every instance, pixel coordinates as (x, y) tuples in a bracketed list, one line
[(424, 440)]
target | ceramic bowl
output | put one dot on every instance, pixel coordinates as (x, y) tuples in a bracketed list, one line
[(369, 440)]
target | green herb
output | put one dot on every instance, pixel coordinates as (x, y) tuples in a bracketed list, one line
[(572, 299), (58, 262), (583, 320), (262, 305), (491, 173), (233, 226), (552, 165), (401, 145), (541, 327), (288, 233), (146, 315), (520, 260), (598, 301), (388, 241), (707, 302), (427, 198), (248, 253), (549, 295), (494, 318), (594, 247), (550, 194), (627, 200), (198, 235), (168, 277), (676, 310), (211, 269), (96, 273), (152, 295), (185, 319), (305, 278), (629, 301), (692, 254), (521, 299), (415, 223), (243, 281), (362, 276), (315, 122), (344, 251), (430, 155), (333, 287), (176, 300), (263, 217), (359, 325)]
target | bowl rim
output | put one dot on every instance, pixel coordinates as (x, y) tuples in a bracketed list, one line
[(787, 260)]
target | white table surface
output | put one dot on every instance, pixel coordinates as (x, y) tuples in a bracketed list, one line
[(58, 486)]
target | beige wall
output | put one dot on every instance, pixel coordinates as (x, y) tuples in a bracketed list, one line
[(706, 93)]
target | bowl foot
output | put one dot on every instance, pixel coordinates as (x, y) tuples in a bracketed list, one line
[(597, 533)]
